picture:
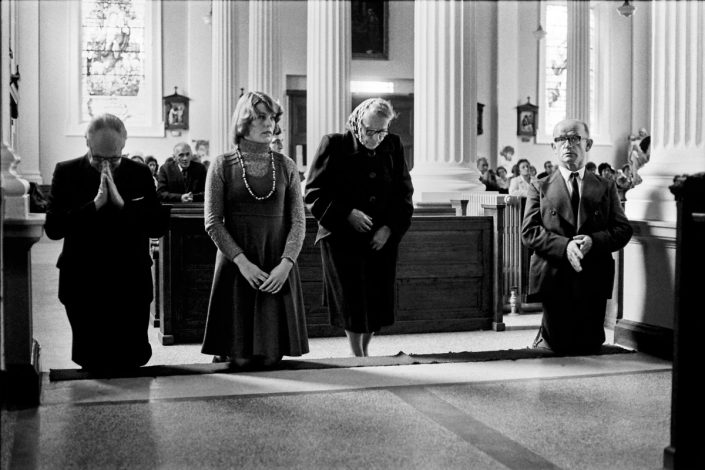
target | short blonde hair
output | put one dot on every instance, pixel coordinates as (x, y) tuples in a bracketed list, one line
[(245, 113)]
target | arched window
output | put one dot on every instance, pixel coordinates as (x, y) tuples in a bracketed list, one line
[(553, 70), (116, 64)]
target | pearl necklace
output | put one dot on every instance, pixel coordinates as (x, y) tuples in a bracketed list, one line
[(244, 176)]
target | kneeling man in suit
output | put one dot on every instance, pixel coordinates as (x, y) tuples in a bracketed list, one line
[(573, 222)]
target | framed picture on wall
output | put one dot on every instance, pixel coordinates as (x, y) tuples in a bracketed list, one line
[(176, 111), (526, 119), (370, 29)]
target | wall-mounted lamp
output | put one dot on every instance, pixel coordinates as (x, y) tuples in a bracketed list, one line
[(539, 34), (626, 10)]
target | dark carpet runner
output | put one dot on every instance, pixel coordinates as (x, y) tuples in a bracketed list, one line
[(400, 358)]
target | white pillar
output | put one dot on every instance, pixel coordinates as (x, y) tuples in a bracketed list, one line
[(507, 76), (578, 97), (327, 70), (223, 90), (264, 61), (27, 124), (445, 100), (677, 108)]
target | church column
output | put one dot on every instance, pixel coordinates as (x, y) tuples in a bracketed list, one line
[(327, 70), (445, 92), (578, 100), (264, 61), (223, 90), (677, 108), (507, 76)]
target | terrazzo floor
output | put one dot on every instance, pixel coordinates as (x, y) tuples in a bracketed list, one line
[(592, 412)]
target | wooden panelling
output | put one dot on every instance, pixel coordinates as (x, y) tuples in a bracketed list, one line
[(444, 278)]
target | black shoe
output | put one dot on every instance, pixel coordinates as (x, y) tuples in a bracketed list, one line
[(219, 359)]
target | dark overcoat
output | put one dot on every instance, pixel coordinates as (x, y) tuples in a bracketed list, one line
[(105, 263), (171, 183), (574, 303), (344, 175)]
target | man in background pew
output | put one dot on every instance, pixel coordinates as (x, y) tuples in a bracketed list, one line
[(181, 179)]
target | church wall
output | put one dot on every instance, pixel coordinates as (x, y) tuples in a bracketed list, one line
[(186, 58)]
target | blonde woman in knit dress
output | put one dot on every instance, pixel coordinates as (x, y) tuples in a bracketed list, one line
[(255, 215)]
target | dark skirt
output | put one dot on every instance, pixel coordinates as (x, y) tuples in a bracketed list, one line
[(245, 322), (359, 283)]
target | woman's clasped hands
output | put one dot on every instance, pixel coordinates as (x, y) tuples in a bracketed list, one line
[(270, 283)]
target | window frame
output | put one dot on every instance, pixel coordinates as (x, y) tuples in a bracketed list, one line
[(154, 126), (600, 103)]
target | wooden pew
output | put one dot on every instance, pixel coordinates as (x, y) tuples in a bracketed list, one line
[(444, 277)]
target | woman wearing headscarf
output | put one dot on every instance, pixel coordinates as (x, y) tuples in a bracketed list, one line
[(254, 214), (359, 190)]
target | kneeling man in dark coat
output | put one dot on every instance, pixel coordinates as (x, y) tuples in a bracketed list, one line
[(105, 208), (573, 222)]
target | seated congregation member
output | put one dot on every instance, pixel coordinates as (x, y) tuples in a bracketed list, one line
[(502, 181), (547, 169), (254, 214), (181, 179), (359, 190), (153, 165), (605, 170), (573, 222), (105, 207), (519, 185)]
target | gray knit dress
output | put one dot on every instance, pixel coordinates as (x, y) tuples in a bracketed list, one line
[(244, 322)]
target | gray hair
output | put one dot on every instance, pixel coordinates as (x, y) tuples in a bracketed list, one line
[(378, 106), (106, 121)]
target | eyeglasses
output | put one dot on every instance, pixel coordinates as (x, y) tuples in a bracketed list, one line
[(574, 139), (111, 159), (373, 132)]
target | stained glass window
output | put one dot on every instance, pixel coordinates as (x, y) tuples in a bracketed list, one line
[(112, 57)]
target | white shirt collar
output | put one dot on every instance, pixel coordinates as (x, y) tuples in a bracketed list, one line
[(566, 173)]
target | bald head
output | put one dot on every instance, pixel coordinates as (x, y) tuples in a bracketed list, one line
[(571, 142), (182, 154)]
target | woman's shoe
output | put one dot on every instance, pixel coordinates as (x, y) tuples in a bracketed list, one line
[(219, 359)]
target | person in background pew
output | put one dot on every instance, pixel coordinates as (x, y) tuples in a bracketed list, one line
[(181, 179), (519, 185), (254, 214), (153, 165), (359, 190), (104, 207), (573, 221)]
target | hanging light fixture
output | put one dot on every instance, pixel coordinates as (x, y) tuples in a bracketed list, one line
[(540, 33), (626, 10)]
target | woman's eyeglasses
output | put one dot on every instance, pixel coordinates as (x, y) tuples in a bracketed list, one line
[(373, 132)]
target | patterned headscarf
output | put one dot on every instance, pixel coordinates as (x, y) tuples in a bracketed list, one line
[(379, 106)]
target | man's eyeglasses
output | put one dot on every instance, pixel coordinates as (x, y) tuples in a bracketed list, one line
[(373, 132), (574, 139), (111, 159)]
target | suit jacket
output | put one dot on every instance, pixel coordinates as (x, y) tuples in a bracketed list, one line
[(548, 227), (104, 250), (339, 181), (172, 184)]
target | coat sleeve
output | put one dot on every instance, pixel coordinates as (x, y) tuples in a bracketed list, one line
[(145, 214), (399, 212), (163, 187), (535, 236), (321, 198), (617, 231), (63, 216), (199, 185)]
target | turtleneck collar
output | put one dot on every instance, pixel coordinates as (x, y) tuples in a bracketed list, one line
[(248, 146)]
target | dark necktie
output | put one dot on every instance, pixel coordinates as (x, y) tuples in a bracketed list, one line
[(575, 197), (187, 180)]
